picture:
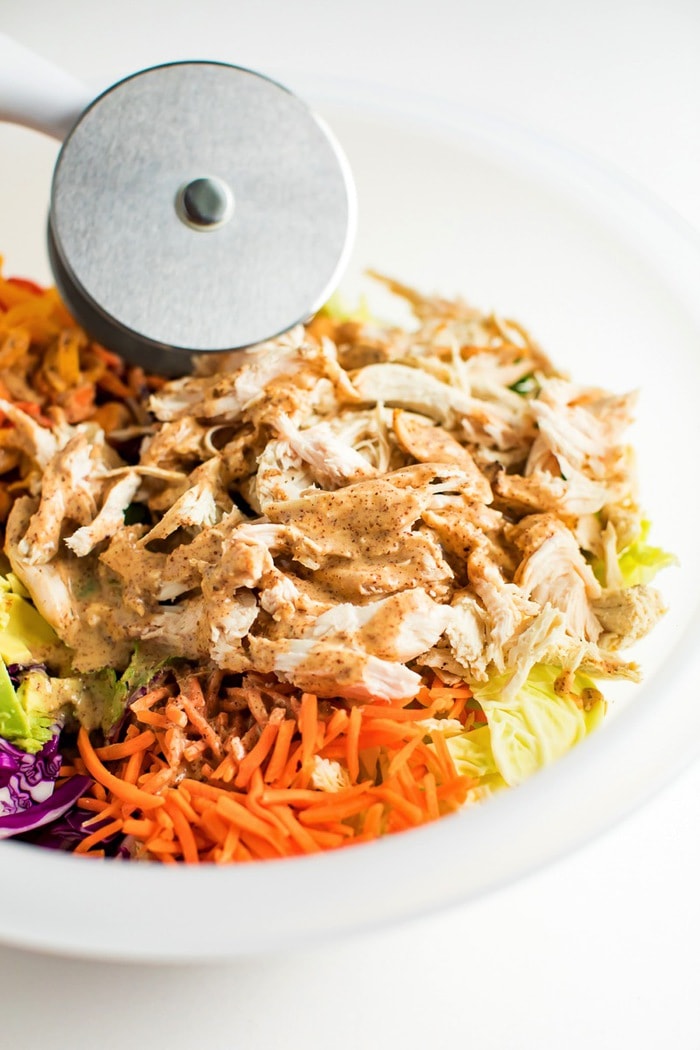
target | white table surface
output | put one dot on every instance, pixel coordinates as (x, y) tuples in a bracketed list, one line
[(601, 949)]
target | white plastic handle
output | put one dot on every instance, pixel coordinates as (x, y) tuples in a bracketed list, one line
[(36, 93)]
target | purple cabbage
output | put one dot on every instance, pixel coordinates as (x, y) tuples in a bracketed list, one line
[(60, 801), (32, 808), (67, 832), (29, 798), (25, 779)]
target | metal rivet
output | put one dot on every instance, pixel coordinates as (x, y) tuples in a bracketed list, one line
[(205, 203)]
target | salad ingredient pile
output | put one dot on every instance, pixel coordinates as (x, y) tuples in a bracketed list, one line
[(370, 575)]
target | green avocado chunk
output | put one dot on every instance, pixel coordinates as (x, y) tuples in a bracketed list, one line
[(27, 729)]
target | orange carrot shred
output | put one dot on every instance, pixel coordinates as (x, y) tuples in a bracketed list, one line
[(98, 836), (153, 718), (120, 788), (92, 805), (161, 845), (280, 752), (408, 809), (183, 831), (111, 752), (443, 753), (353, 736), (372, 824), (308, 725), (140, 829), (431, 800), (401, 757), (300, 835), (338, 724), (276, 800), (289, 772), (239, 816), (256, 755)]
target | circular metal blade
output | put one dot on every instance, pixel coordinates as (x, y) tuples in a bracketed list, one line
[(198, 207)]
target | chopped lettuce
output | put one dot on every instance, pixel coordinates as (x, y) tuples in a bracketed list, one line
[(43, 699), (547, 717), (141, 670), (639, 562), (96, 700), (473, 756), (338, 309), (90, 698)]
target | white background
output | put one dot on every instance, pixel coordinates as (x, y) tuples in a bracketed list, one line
[(601, 949)]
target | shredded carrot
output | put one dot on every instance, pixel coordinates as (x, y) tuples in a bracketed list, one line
[(273, 801), (179, 797), (280, 753), (131, 769), (337, 725), (333, 811), (239, 816), (401, 757), (226, 852), (445, 757), (196, 787), (142, 829), (373, 820), (199, 721), (431, 800), (149, 699), (183, 830), (92, 805), (99, 836), (225, 770), (161, 845), (120, 788), (308, 725), (300, 834), (326, 839), (153, 718), (289, 772), (408, 809), (396, 715), (257, 755), (110, 752), (109, 811), (353, 738)]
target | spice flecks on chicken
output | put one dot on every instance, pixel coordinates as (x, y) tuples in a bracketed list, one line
[(353, 504)]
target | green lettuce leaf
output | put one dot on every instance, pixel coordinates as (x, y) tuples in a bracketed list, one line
[(95, 700), (640, 562), (473, 756), (540, 724), (338, 309)]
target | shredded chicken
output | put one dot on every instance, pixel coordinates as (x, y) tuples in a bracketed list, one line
[(353, 504)]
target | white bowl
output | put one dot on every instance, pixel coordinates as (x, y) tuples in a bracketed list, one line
[(606, 279)]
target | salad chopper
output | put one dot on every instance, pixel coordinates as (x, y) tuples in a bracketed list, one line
[(196, 206)]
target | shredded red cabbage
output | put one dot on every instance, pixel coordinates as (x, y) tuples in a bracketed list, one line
[(68, 831), (25, 779), (60, 801)]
